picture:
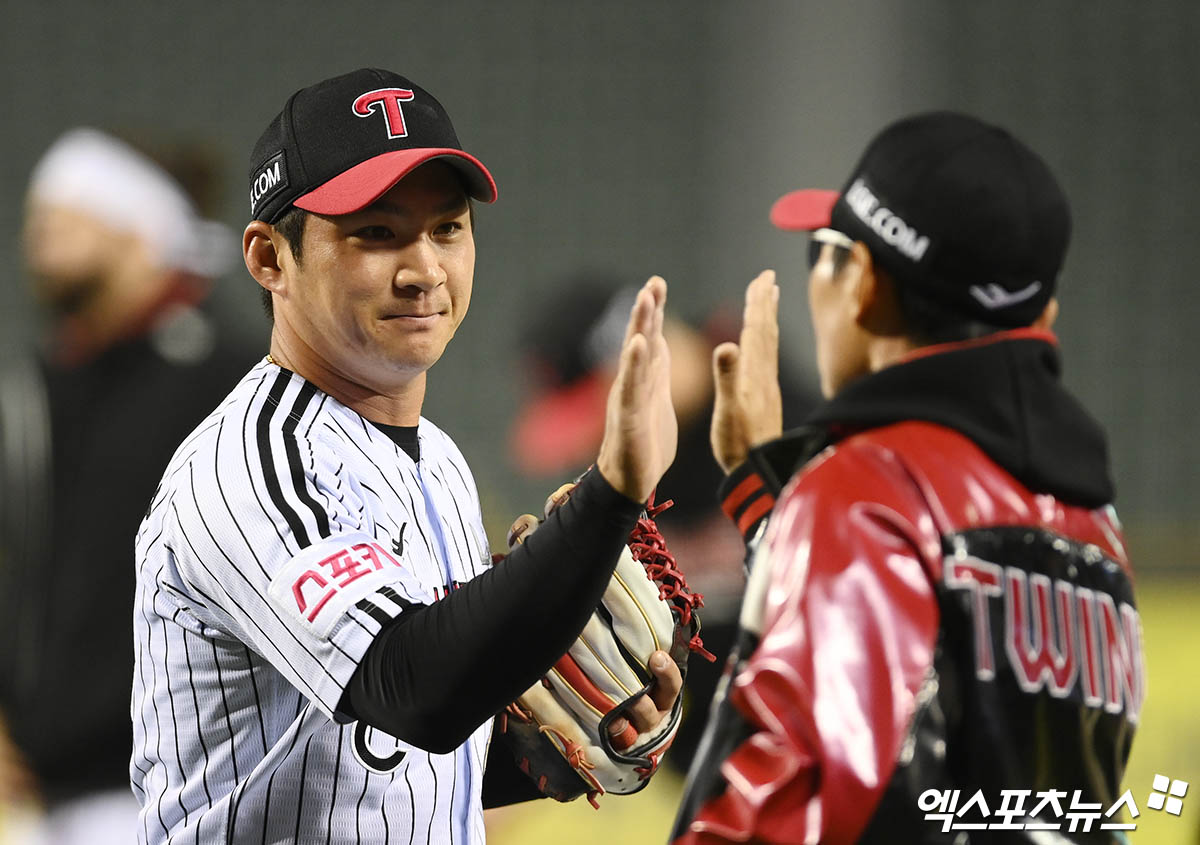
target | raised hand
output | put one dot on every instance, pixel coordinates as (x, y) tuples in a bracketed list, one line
[(640, 429), (748, 409)]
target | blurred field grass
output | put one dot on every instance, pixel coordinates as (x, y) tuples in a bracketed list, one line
[(631, 820), (1168, 738), (1168, 742)]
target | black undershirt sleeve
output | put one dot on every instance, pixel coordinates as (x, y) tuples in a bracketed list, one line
[(437, 672)]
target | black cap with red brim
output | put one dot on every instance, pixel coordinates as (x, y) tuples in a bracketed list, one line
[(957, 210), (339, 145), (803, 211)]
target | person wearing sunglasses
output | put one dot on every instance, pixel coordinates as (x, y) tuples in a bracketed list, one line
[(939, 632)]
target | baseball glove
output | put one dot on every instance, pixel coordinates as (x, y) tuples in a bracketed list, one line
[(558, 729)]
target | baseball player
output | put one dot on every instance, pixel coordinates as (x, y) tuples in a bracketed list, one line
[(321, 639), (940, 604)]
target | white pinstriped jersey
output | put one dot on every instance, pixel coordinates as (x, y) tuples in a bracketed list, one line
[(285, 531)]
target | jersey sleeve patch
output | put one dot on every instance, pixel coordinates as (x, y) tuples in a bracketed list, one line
[(318, 587)]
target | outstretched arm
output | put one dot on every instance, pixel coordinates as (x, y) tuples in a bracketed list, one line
[(437, 672)]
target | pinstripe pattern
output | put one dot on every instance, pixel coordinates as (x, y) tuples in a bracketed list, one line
[(266, 565)]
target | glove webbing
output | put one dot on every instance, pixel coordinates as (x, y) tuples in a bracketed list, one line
[(649, 548)]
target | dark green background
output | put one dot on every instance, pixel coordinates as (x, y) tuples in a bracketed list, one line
[(651, 137)]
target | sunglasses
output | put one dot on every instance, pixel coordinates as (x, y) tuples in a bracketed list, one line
[(820, 237)]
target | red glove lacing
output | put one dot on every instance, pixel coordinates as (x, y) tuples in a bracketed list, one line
[(649, 548)]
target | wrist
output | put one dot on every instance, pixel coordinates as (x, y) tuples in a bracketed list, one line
[(730, 459), (617, 481), (745, 498)]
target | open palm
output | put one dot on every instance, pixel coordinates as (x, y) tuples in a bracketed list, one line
[(640, 430), (748, 408)]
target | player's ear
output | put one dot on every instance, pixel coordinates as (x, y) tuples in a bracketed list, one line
[(1049, 314), (873, 293), (858, 275), (261, 253)]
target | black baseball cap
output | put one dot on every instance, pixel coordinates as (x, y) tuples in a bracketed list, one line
[(957, 209), (340, 144)]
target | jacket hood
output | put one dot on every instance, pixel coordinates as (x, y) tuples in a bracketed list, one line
[(1004, 393)]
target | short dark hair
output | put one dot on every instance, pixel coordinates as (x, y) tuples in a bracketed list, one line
[(928, 322), (291, 227)]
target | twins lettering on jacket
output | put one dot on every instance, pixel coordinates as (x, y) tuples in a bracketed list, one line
[(1057, 635)]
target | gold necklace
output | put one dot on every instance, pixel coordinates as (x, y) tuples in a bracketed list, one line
[(271, 360)]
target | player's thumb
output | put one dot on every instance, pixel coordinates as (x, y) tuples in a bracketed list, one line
[(725, 363), (724, 432)]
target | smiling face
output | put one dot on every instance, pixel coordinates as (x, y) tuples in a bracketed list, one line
[(379, 293)]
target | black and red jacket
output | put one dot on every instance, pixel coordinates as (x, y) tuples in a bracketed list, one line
[(941, 600)]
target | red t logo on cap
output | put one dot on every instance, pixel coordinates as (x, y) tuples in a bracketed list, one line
[(389, 99)]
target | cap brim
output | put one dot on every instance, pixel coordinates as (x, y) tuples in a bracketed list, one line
[(561, 430), (804, 211), (358, 187)]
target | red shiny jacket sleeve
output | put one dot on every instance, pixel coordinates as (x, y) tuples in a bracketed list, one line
[(849, 621)]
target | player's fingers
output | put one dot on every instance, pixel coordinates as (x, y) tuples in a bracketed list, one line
[(556, 499), (760, 332), (760, 300), (657, 286), (654, 295), (668, 680), (622, 733), (646, 711), (768, 352), (645, 320), (631, 372), (522, 527), (662, 359), (641, 315), (631, 324), (643, 713)]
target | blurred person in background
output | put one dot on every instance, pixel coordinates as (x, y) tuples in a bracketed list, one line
[(571, 354), (120, 261)]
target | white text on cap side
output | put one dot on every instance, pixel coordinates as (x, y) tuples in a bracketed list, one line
[(268, 181), (888, 225)]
